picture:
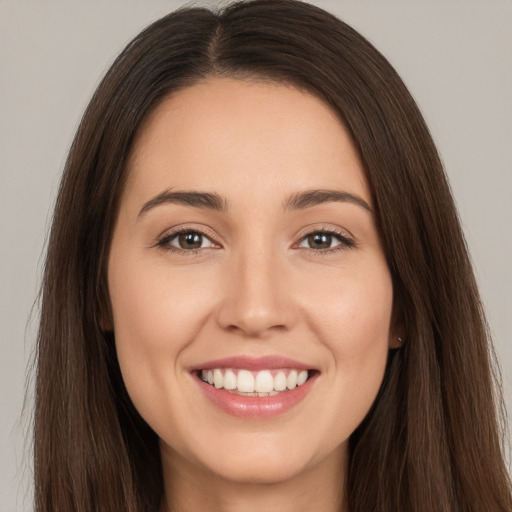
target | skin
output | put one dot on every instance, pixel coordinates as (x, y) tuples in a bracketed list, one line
[(255, 287)]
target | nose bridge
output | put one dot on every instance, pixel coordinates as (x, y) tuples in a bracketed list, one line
[(256, 299)]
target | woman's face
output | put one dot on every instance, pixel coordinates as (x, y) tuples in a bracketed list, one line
[(246, 252)]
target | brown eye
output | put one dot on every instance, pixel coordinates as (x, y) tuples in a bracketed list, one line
[(189, 240), (323, 240), (319, 241)]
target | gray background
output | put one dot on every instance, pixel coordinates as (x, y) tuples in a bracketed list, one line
[(455, 56)]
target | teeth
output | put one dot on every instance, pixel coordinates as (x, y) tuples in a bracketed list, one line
[(245, 381), (229, 380), (280, 381), (301, 378), (218, 379), (291, 380), (262, 383)]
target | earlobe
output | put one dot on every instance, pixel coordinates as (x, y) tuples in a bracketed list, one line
[(398, 331), (396, 340)]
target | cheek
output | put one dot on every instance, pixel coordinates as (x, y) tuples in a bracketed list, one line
[(352, 310), (352, 320), (361, 342), (156, 309), (156, 315)]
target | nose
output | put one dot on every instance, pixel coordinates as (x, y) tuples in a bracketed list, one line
[(257, 299)]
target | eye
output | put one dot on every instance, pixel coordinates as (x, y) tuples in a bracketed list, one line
[(325, 240), (186, 240)]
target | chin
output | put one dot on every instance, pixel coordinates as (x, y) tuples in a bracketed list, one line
[(264, 460), (258, 470)]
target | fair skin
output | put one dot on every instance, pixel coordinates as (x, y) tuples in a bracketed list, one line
[(251, 275)]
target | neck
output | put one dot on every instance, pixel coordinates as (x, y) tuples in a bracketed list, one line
[(189, 488)]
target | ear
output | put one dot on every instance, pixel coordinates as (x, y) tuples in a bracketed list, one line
[(396, 340)]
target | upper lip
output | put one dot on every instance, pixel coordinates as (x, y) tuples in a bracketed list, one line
[(253, 363)]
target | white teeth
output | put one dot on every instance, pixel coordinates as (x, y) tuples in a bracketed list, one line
[(218, 379), (247, 383), (280, 381), (229, 380), (264, 382), (302, 377), (291, 380)]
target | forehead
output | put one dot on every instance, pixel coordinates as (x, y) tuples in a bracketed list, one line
[(234, 134)]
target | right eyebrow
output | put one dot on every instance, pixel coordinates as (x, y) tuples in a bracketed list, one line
[(204, 200), (309, 198)]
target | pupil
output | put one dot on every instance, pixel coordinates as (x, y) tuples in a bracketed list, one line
[(320, 241), (190, 240)]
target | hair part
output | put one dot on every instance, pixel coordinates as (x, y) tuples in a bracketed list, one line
[(432, 438)]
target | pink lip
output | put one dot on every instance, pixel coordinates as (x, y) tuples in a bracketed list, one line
[(253, 363), (254, 407)]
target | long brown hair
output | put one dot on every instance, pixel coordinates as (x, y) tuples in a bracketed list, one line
[(431, 441)]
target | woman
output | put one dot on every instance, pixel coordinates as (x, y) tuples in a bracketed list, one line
[(257, 292)]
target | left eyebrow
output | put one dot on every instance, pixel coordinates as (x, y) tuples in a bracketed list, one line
[(310, 198), (203, 200)]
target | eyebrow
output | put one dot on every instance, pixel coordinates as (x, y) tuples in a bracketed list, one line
[(310, 198), (205, 200), (212, 201)]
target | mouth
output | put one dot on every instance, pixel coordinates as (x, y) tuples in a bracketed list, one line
[(255, 388), (262, 383)]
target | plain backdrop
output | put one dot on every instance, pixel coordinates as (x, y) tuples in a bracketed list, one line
[(455, 56)]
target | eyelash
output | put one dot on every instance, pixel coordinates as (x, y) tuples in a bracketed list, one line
[(164, 242), (345, 242)]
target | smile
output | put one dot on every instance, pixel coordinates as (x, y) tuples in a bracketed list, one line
[(251, 383), (255, 388)]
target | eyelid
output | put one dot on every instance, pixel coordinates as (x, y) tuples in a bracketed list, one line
[(166, 236), (346, 240)]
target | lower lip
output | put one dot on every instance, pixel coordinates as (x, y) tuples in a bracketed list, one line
[(254, 406)]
